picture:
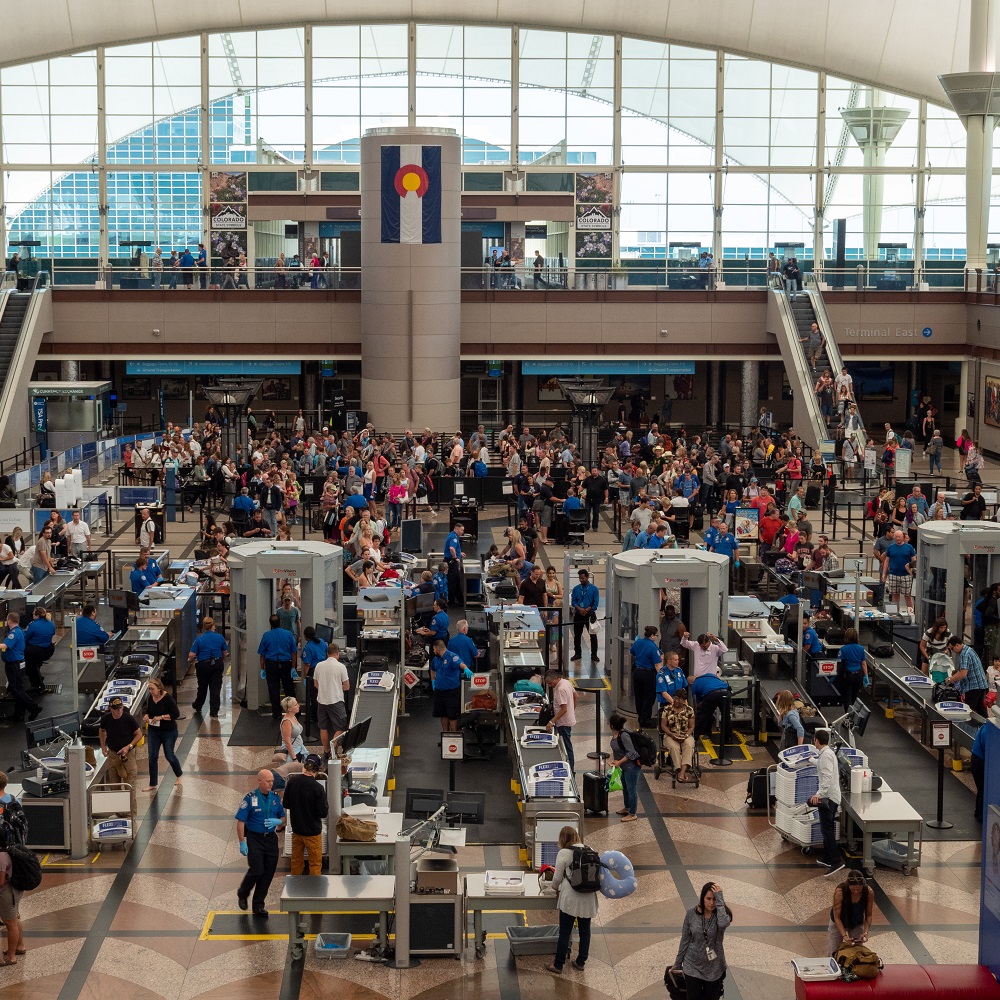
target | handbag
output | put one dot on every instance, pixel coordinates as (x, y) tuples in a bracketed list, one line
[(356, 830)]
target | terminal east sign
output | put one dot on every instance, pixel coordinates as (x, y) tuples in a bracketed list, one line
[(888, 333)]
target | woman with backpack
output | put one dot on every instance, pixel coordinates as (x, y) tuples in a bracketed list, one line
[(577, 906), (851, 912), (624, 755), (701, 956)]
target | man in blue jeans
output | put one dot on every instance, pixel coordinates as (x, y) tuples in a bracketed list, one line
[(564, 698), (827, 801), (595, 491)]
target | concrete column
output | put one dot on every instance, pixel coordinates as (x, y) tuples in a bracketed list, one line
[(874, 128), (106, 371), (975, 96), (69, 371), (748, 396), (963, 420), (714, 392), (411, 322)]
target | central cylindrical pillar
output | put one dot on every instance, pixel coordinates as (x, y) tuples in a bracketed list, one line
[(411, 320)]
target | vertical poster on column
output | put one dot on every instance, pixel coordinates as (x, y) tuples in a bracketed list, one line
[(228, 213), (593, 216), (746, 524)]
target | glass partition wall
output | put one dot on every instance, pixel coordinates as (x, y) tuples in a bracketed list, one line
[(711, 152)]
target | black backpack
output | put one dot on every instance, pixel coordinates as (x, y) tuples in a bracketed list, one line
[(584, 872), (27, 872), (13, 824), (644, 747)]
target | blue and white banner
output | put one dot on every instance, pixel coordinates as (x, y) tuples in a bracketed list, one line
[(411, 194)]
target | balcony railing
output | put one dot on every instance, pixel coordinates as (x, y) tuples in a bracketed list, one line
[(523, 278)]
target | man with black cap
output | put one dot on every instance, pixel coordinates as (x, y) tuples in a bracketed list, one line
[(120, 734), (306, 803)]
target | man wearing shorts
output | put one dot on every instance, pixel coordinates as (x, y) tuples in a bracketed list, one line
[(446, 677), (10, 903), (900, 559), (331, 681)]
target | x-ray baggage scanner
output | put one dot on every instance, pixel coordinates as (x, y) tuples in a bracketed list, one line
[(258, 571), (695, 582)]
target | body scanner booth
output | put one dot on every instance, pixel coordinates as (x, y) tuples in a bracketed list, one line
[(949, 553), (694, 581), (258, 571)]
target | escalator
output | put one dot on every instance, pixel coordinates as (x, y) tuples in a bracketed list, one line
[(24, 318), (791, 323)]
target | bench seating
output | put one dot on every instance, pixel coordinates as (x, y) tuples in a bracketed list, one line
[(909, 982)]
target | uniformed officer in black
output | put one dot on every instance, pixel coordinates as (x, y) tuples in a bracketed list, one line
[(259, 819), (278, 652), (208, 654)]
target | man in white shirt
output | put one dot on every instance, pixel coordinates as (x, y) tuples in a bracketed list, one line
[(643, 513), (564, 698), (147, 530), (78, 533), (827, 801), (704, 653), (331, 680)]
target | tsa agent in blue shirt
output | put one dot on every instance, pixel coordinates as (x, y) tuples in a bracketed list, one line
[(810, 640), (141, 577), (646, 660), (208, 653), (670, 678), (572, 502), (38, 647), (278, 652), (584, 599), (979, 767), (88, 632), (711, 534), (709, 691), (440, 581), (439, 624), (12, 649), (854, 666), (463, 646), (453, 557), (726, 544), (258, 820), (789, 597), (447, 671)]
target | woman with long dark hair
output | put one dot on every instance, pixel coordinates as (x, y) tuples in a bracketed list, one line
[(701, 955), (851, 913)]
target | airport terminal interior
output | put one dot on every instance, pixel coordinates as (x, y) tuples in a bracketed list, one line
[(629, 350)]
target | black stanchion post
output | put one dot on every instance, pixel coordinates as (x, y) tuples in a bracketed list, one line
[(725, 730), (940, 738)]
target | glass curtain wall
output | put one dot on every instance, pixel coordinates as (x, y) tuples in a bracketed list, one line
[(710, 151)]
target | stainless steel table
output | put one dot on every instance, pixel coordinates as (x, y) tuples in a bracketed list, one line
[(477, 901), (336, 894), (888, 812), (383, 846)]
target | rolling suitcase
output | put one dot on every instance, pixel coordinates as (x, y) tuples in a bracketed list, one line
[(595, 792), (812, 497)]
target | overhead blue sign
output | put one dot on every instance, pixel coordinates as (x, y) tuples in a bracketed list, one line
[(167, 367), (607, 367), (39, 407)]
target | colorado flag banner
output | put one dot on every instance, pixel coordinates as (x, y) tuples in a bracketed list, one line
[(411, 194)]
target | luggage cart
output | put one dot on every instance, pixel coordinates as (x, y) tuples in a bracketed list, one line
[(805, 836)]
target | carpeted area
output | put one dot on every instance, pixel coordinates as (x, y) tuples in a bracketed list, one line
[(253, 730), (420, 765), (913, 772)]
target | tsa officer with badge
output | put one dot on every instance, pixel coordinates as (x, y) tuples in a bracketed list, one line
[(453, 557), (259, 819), (447, 670), (208, 654), (278, 652), (438, 628)]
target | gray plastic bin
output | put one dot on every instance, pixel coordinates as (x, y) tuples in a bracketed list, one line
[(538, 940), (892, 854), (332, 945)]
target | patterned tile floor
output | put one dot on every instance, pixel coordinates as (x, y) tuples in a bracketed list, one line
[(133, 924)]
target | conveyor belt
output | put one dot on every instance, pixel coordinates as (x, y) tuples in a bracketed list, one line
[(381, 707), (963, 731), (528, 757), (769, 683)]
